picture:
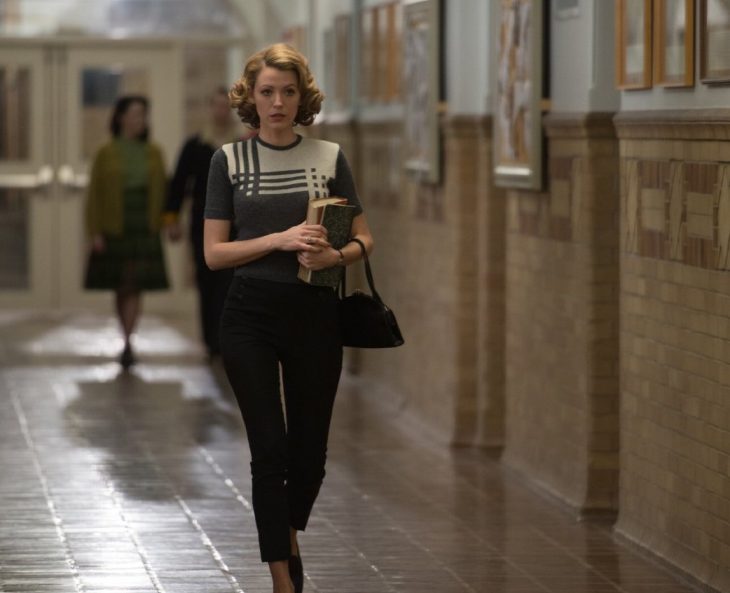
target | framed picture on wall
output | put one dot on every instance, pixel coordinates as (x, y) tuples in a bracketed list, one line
[(330, 84), (394, 36), (674, 43), (715, 41), (342, 67), (296, 37), (519, 85), (633, 44), (421, 88), (367, 48)]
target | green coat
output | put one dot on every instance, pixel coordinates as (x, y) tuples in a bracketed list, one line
[(105, 194)]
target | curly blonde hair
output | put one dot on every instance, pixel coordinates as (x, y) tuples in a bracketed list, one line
[(282, 57)]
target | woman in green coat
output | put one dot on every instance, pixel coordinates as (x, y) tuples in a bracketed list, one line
[(123, 216)]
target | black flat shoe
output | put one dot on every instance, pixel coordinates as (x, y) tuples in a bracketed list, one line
[(127, 358), (296, 572)]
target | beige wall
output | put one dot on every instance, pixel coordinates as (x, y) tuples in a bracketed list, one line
[(675, 323), (513, 305), (438, 262), (562, 312)]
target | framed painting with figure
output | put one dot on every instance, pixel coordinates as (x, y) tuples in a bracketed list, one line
[(715, 41), (421, 89), (517, 119), (633, 44), (674, 43)]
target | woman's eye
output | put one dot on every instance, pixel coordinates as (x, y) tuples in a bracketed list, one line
[(266, 92)]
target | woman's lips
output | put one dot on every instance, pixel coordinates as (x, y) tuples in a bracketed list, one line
[(277, 116)]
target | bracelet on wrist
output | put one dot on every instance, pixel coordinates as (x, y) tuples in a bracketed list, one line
[(341, 262)]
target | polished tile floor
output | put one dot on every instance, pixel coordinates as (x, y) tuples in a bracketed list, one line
[(139, 482)]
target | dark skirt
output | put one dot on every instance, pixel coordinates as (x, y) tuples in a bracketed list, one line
[(133, 261)]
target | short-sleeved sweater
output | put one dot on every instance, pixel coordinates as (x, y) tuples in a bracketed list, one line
[(263, 189)]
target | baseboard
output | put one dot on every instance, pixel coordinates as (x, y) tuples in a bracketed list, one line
[(677, 573)]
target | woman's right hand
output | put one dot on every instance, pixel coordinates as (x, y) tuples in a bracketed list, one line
[(98, 244), (303, 237)]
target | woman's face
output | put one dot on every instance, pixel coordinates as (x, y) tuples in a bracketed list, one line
[(134, 120), (277, 98), (220, 110)]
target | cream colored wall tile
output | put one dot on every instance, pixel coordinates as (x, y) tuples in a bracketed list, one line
[(653, 209)]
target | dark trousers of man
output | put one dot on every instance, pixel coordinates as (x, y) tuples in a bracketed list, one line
[(264, 325), (212, 291)]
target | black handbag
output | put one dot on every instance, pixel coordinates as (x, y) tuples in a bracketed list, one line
[(365, 320)]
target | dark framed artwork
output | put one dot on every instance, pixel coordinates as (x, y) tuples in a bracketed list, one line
[(715, 41), (519, 85), (674, 43), (633, 44), (421, 88)]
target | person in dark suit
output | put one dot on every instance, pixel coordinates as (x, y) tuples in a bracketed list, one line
[(191, 179)]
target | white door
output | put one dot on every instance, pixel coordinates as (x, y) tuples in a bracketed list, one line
[(93, 76), (26, 180), (74, 87)]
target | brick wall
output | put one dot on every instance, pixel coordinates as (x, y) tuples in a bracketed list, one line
[(561, 314), (432, 264), (675, 324)]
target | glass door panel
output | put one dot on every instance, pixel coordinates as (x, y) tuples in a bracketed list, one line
[(26, 179), (96, 76)]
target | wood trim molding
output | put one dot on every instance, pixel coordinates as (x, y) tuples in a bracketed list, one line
[(467, 125), (580, 125), (697, 124), (379, 127)]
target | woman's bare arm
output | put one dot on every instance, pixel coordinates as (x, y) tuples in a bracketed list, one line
[(221, 252)]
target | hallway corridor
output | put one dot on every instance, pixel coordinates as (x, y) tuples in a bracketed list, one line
[(140, 483)]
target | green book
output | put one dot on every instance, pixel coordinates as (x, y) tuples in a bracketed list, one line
[(336, 216)]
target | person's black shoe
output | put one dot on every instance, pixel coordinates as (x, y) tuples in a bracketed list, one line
[(296, 572), (127, 358)]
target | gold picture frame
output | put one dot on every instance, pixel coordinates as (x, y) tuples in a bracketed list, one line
[(633, 44), (674, 43), (381, 54), (369, 54), (714, 42), (394, 44)]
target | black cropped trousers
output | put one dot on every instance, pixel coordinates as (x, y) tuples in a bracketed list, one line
[(266, 326)]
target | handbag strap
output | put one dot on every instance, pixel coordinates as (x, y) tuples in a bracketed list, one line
[(368, 273)]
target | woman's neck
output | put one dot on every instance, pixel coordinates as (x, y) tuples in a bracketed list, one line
[(283, 137)]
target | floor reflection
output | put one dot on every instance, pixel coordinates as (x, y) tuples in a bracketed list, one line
[(139, 482), (145, 428)]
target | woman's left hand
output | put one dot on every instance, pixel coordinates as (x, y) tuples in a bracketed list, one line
[(319, 260)]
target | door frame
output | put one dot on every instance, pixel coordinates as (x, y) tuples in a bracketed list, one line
[(56, 208), (26, 176)]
